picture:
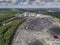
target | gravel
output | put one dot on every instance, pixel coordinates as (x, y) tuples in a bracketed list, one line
[(36, 42), (29, 32), (55, 30), (38, 23)]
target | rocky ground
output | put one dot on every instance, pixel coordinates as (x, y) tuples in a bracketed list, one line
[(29, 32)]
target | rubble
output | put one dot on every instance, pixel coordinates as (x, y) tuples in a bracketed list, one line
[(55, 30), (37, 42), (39, 23)]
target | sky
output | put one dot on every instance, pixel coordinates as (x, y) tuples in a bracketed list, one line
[(43, 0), (43, 4)]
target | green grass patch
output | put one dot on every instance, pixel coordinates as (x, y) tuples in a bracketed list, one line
[(7, 14), (8, 35)]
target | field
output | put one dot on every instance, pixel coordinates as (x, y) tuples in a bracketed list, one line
[(54, 14), (9, 24), (8, 31), (5, 15)]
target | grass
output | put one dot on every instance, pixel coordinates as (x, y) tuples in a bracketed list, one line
[(7, 14), (53, 14), (7, 31), (6, 37), (3, 29)]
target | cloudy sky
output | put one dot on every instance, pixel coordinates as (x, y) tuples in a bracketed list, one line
[(51, 0), (43, 0), (43, 4)]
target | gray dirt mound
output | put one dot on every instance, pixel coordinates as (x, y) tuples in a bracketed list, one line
[(55, 30), (37, 42), (39, 23)]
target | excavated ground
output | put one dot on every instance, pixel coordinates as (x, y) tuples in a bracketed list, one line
[(30, 32)]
